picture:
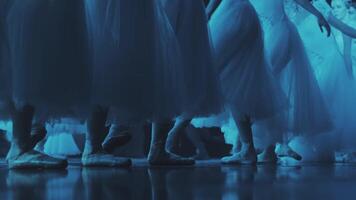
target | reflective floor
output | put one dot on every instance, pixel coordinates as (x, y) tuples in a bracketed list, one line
[(208, 180)]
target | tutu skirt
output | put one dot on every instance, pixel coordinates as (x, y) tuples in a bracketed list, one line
[(308, 113), (134, 59), (61, 144), (47, 52), (247, 84), (330, 69), (202, 95)]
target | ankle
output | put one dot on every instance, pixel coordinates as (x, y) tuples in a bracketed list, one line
[(248, 148), (270, 149), (14, 151), (91, 147)]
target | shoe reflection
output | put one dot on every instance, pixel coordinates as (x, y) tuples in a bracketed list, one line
[(171, 183), (104, 183), (32, 184), (239, 182)]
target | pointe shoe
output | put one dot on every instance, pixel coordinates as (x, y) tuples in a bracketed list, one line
[(38, 133), (283, 150), (36, 160), (267, 157), (201, 157), (118, 136), (112, 143), (162, 157), (102, 159), (242, 158)]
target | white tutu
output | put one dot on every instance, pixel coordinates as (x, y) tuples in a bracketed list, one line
[(328, 62), (61, 144), (47, 44), (247, 84), (202, 93), (308, 112), (134, 55)]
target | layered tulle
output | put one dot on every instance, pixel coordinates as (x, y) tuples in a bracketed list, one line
[(135, 59), (202, 95), (308, 113), (247, 84), (48, 54), (61, 144), (337, 86)]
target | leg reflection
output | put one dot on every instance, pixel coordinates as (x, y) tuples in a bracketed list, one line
[(158, 184), (30, 184), (239, 182), (106, 183)]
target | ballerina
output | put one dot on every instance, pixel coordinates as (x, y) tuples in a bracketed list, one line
[(334, 71), (250, 91), (308, 114), (135, 71), (46, 47), (202, 92)]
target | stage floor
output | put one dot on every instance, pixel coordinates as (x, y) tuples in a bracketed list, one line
[(207, 180)]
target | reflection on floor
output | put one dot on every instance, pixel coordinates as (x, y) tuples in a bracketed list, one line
[(208, 180)]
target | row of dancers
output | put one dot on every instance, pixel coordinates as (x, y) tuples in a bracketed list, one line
[(138, 61)]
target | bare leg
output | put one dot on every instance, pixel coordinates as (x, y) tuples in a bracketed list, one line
[(158, 154), (178, 129), (38, 133), (21, 153), (247, 155), (118, 136), (196, 139), (93, 154), (173, 135), (237, 146), (268, 155)]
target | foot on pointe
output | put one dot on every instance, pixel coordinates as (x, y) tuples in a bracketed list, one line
[(118, 136), (283, 150), (102, 159), (166, 158), (110, 144), (36, 160), (243, 158), (201, 156)]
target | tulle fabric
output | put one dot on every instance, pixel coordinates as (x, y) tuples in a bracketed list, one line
[(47, 52), (308, 113), (60, 139), (248, 86), (202, 95), (135, 59), (337, 86), (61, 144)]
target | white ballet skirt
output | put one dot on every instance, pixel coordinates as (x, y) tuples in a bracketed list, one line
[(201, 85), (308, 113), (248, 86), (328, 62), (61, 144), (47, 51), (135, 59)]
